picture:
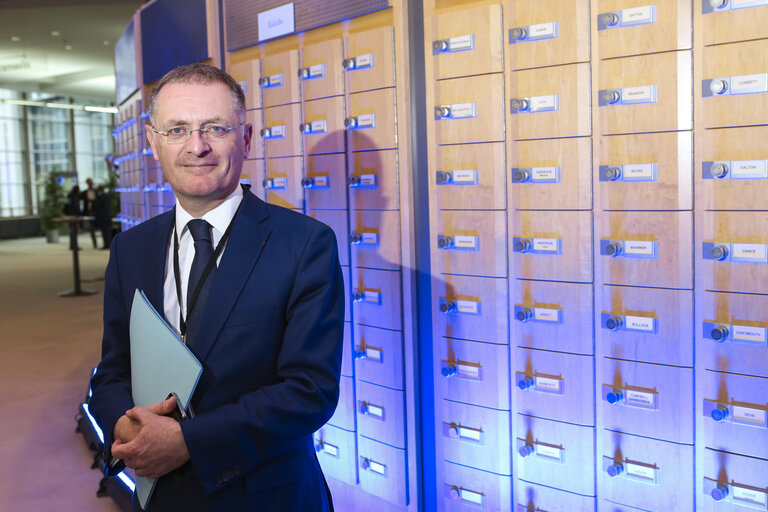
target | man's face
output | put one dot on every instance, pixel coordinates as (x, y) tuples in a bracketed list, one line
[(201, 172)]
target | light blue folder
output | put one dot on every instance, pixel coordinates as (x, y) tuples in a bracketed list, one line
[(160, 364)]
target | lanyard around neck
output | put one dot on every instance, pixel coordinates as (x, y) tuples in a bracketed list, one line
[(206, 271)]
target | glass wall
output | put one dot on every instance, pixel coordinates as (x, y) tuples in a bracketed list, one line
[(15, 189)]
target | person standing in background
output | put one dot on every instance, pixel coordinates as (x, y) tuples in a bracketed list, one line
[(89, 200), (103, 212)]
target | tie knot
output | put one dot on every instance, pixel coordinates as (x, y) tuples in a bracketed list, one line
[(200, 230)]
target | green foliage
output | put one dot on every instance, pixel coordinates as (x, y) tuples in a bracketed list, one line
[(114, 197), (53, 203)]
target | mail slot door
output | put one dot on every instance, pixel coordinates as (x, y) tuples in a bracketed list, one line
[(634, 27), (337, 453), (472, 243), (473, 372), (551, 174), (370, 121), (383, 471), (548, 31), (380, 413), (347, 278), (337, 220), (347, 368), (650, 171), (344, 416), (646, 93), (734, 251), (281, 131), (646, 248), (375, 239), (253, 173), (475, 436), (733, 20), (554, 385), (555, 454), (733, 85), (248, 73), (372, 181), (283, 182), (532, 497), (734, 412), (732, 332), (731, 483), (254, 117), (469, 109), (467, 42), (550, 102), (471, 308), (469, 177), (467, 489), (645, 473), (324, 182), (550, 315), (551, 245), (279, 78), (376, 298), (320, 71), (378, 356), (646, 399), (369, 60), (651, 325), (322, 126), (732, 168)]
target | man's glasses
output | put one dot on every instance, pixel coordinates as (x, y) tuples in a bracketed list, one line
[(210, 132)]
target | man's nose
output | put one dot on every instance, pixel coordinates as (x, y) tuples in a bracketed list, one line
[(197, 144)]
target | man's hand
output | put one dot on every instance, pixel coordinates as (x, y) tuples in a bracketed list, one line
[(127, 429), (157, 447)]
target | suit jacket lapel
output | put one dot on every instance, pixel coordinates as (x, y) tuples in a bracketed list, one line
[(249, 235), (156, 252)]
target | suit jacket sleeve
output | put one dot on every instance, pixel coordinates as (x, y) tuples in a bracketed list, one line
[(233, 439), (111, 386)]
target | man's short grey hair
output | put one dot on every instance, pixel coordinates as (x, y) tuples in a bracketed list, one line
[(198, 73)]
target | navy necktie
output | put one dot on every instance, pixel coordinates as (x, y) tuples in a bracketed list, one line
[(201, 233)]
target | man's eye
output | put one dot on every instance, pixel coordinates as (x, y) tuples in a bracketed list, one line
[(217, 129), (177, 131)]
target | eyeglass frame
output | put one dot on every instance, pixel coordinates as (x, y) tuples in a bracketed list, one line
[(189, 131)]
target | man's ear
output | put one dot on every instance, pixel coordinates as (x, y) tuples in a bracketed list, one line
[(247, 137), (151, 140)]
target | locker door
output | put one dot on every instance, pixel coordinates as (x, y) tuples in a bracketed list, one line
[(473, 372), (469, 109), (247, 74), (375, 239), (475, 436), (538, 497), (322, 126), (470, 177), (379, 356), (650, 171), (469, 307), (380, 413), (281, 131), (279, 81), (383, 471), (324, 182), (337, 453), (633, 27), (647, 93), (466, 489), (283, 182), (550, 102), (548, 33), (726, 21), (320, 71), (731, 483), (370, 120), (376, 298), (372, 182), (467, 42), (472, 243), (337, 220), (369, 60)]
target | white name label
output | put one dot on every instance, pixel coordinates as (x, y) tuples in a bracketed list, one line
[(745, 333), (749, 415), (370, 238), (749, 252), (364, 61), (466, 176), (331, 450), (471, 496), (641, 471), (642, 94), (542, 31), (544, 173), (366, 121), (637, 15), (277, 131), (546, 244), (375, 410), (460, 43), (276, 80), (470, 433), (546, 315), (749, 496), (317, 71), (544, 103), (639, 248), (276, 22), (367, 180), (320, 181), (749, 83), (377, 467), (319, 126), (469, 307), (639, 172), (640, 398), (640, 323), (548, 384), (549, 452), (373, 354), (465, 242), (463, 110), (465, 370), (747, 169), (372, 296)]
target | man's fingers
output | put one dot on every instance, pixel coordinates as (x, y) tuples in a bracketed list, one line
[(163, 408)]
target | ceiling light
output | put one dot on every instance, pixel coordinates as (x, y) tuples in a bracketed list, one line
[(70, 106), (27, 103), (107, 110), (67, 46), (55, 33), (105, 43), (15, 39)]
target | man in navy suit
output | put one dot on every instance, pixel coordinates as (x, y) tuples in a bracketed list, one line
[(269, 334)]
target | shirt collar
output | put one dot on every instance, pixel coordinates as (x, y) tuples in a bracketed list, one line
[(219, 217)]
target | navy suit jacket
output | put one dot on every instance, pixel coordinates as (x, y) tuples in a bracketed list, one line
[(270, 344)]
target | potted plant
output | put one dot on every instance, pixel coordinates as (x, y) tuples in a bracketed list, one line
[(52, 207)]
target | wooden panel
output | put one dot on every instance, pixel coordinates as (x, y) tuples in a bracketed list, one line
[(473, 372), (728, 469), (281, 130), (337, 220), (326, 55), (376, 298), (279, 72), (391, 485), (459, 487), (461, 191), (379, 356), (485, 230), (567, 103), (328, 138), (671, 234), (470, 308), (375, 239), (559, 245), (326, 187), (480, 24), (730, 25), (380, 413), (337, 453), (655, 171), (254, 117), (486, 94), (671, 30), (383, 133), (373, 180), (254, 173), (247, 74), (570, 45), (670, 73), (283, 182), (533, 162), (375, 46), (474, 436), (531, 496)]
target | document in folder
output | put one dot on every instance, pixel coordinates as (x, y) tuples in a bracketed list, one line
[(160, 364)]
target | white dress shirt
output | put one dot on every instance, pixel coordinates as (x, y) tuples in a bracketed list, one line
[(219, 218)]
